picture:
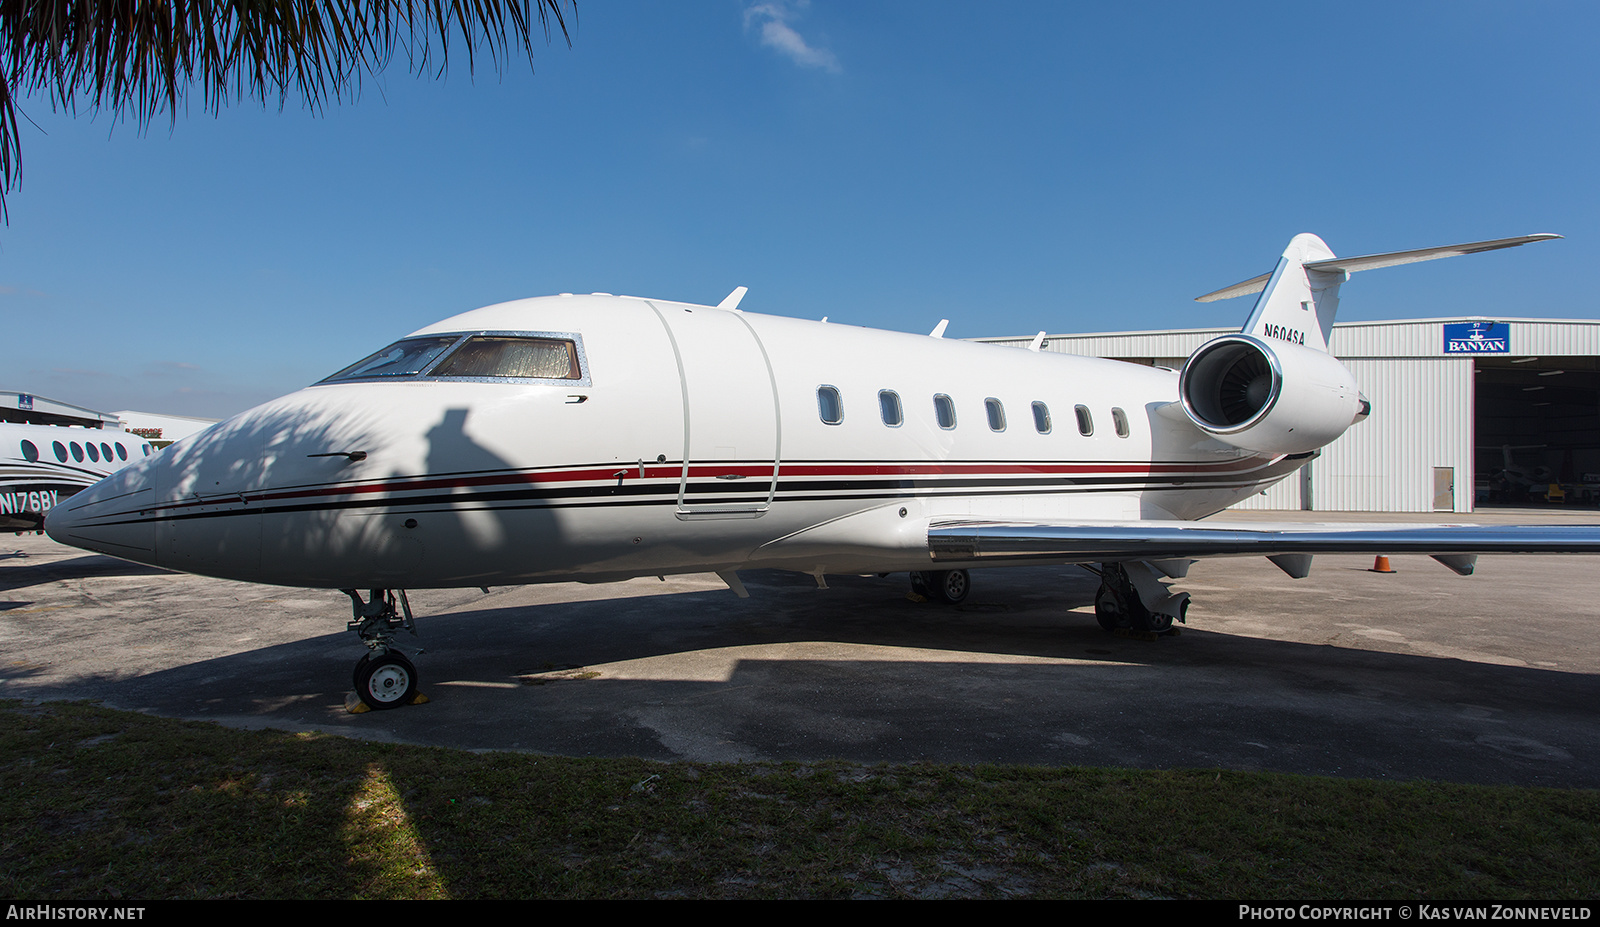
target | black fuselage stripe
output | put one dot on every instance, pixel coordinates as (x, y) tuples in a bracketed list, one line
[(667, 494), (711, 491)]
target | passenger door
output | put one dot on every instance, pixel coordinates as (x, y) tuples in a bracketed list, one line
[(730, 413)]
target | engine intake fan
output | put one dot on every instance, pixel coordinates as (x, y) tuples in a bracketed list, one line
[(1266, 397)]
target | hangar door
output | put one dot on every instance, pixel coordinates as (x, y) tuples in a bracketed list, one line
[(1537, 427)]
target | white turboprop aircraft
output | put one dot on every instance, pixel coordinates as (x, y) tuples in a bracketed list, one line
[(40, 465), (601, 437)]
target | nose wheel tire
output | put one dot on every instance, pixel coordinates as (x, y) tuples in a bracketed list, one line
[(386, 680)]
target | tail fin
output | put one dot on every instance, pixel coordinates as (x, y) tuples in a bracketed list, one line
[(1301, 297)]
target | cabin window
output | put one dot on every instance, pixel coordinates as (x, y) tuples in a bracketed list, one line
[(945, 411), (889, 406), (829, 405), (29, 452), (1085, 421), (105, 451), (402, 359), (1119, 418), (524, 358), (60, 449), (77, 452), (122, 452), (1041, 418), (94, 455), (146, 448), (996, 413)]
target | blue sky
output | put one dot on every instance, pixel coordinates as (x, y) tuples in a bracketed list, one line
[(1013, 166)]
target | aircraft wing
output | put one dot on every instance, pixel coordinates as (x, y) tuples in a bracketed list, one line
[(1456, 546)]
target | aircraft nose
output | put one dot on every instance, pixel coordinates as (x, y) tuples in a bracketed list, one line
[(114, 516)]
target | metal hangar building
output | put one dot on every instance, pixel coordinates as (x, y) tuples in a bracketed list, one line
[(1465, 412)]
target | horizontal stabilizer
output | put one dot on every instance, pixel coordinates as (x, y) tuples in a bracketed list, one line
[(1253, 285), (1374, 261)]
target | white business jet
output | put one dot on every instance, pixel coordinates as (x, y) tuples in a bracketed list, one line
[(40, 465), (601, 437)]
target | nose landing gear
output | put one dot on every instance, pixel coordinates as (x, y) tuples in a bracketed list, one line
[(384, 678), (385, 681)]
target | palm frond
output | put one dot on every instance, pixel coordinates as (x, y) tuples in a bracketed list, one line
[(140, 58)]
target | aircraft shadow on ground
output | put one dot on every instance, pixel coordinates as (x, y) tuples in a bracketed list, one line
[(23, 573), (1011, 677)]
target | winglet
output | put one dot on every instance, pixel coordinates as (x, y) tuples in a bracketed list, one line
[(732, 300), (938, 330)]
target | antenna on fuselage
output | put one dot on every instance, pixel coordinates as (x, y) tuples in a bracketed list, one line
[(731, 301), (938, 330)]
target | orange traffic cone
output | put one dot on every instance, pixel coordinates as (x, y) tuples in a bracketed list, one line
[(1380, 564)]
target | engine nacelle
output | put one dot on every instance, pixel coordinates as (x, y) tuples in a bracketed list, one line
[(1269, 398)]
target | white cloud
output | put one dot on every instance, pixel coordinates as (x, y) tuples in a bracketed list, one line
[(772, 18)]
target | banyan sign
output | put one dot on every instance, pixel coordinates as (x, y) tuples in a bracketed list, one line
[(1477, 338)]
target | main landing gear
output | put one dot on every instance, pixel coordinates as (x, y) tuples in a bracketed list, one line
[(384, 678), (1133, 599), (947, 586)]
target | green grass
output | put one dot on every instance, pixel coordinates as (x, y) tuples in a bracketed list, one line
[(104, 804)]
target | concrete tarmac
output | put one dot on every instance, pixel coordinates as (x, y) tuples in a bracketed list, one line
[(1420, 674)]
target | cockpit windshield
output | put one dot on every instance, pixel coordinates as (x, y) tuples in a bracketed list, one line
[(476, 356), (494, 356), (402, 359)]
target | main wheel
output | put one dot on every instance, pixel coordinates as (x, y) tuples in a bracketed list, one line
[(1152, 622), (1108, 608), (951, 586), (919, 583), (385, 681)]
